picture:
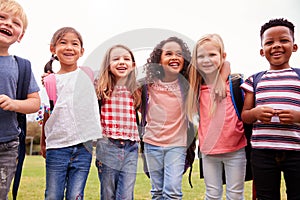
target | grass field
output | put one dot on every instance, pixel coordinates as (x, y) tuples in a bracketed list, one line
[(33, 183)]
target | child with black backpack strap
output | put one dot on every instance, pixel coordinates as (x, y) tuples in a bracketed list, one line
[(18, 96), (221, 135), (272, 104)]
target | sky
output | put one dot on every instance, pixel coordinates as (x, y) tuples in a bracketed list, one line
[(142, 24)]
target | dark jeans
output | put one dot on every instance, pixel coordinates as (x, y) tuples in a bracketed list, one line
[(267, 166)]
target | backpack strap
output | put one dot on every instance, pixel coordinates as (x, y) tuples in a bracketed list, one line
[(89, 72), (237, 94), (50, 86), (24, 67), (297, 70)]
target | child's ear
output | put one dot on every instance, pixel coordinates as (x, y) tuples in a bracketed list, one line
[(52, 49), (262, 52), (295, 47), (224, 56), (133, 64), (20, 37), (82, 51)]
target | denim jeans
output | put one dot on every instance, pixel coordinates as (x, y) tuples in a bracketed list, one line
[(8, 164), (67, 170), (166, 166), (117, 168), (267, 166), (235, 168)]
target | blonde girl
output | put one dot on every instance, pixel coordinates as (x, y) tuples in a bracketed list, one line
[(117, 151), (221, 134)]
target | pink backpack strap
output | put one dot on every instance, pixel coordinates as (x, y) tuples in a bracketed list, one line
[(89, 72), (50, 85)]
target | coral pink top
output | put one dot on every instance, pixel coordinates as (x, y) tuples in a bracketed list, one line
[(166, 119), (222, 132)]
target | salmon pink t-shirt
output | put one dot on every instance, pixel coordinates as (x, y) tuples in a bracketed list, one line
[(221, 132), (166, 119)]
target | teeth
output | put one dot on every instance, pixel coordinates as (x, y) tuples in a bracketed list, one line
[(5, 31)]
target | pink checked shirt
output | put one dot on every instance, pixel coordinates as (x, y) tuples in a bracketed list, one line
[(118, 117)]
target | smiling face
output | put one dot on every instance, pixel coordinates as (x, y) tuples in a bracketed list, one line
[(209, 58), (120, 64), (68, 49), (171, 60), (277, 46), (11, 30)]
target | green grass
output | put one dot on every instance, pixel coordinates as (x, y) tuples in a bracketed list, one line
[(33, 183)]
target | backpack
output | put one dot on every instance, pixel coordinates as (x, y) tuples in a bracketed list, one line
[(237, 97), (191, 136), (51, 85), (24, 77)]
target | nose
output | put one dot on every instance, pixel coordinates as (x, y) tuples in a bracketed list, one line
[(121, 60), (7, 22), (277, 44), (174, 56)]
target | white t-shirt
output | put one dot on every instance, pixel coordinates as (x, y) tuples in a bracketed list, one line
[(75, 118)]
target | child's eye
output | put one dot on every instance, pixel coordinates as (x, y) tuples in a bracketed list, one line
[(268, 42), (179, 54), (284, 41), (17, 23)]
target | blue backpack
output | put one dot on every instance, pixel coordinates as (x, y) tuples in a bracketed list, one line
[(24, 67), (237, 97)]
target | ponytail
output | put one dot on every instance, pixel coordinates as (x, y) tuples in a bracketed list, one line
[(48, 66)]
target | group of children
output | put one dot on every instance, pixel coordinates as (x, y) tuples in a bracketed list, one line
[(180, 85)]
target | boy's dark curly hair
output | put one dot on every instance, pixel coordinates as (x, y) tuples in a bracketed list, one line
[(154, 70), (277, 22)]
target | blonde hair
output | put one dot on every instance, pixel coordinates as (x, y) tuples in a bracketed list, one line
[(16, 9), (106, 81), (196, 78)]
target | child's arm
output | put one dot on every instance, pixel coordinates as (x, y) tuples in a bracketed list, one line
[(251, 114), (224, 73), (29, 105), (43, 137)]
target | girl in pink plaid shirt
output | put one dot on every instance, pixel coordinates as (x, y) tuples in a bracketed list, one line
[(117, 151)]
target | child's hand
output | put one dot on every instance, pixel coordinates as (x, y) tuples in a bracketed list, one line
[(7, 103), (264, 113), (218, 92), (43, 150), (288, 116), (44, 75)]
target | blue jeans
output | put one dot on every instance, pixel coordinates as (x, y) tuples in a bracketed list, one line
[(235, 169), (166, 166), (117, 167), (8, 164), (267, 166), (67, 170)]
